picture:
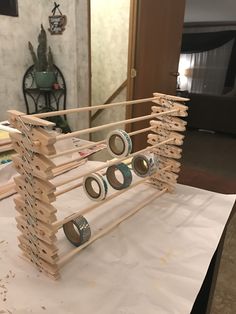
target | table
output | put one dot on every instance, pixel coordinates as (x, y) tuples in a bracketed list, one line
[(155, 262), (202, 179)]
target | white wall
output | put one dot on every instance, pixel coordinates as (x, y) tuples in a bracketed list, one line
[(210, 10), (15, 32)]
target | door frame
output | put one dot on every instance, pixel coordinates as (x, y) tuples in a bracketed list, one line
[(131, 58)]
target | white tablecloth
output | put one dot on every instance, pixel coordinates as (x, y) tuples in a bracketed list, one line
[(154, 262)]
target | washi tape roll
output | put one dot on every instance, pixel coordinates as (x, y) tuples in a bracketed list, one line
[(119, 143), (77, 231), (145, 164), (95, 187), (112, 176)]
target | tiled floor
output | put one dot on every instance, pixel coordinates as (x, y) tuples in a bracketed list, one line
[(216, 155)]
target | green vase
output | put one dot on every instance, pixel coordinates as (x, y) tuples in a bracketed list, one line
[(45, 80)]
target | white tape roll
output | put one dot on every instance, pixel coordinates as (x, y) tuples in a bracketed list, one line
[(119, 143), (95, 186), (145, 164)]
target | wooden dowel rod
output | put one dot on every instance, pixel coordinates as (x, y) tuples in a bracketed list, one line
[(76, 159), (79, 149), (90, 108), (109, 228), (97, 143), (7, 190), (75, 150), (70, 188), (105, 126), (170, 97), (74, 186), (111, 163), (60, 223), (141, 131), (68, 166)]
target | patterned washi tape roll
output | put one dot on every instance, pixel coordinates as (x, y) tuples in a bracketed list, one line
[(119, 143), (145, 164), (77, 231), (111, 174), (97, 191)]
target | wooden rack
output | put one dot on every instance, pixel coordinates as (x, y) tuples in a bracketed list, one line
[(35, 142)]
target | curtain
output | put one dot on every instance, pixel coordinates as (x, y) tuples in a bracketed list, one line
[(199, 42), (205, 72), (211, 59)]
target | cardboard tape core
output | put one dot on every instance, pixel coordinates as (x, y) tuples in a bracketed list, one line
[(111, 175), (77, 231), (145, 164), (95, 187), (119, 143)]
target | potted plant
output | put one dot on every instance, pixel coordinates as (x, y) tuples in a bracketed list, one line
[(43, 62)]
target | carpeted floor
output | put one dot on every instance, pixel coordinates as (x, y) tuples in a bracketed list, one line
[(209, 162), (213, 153)]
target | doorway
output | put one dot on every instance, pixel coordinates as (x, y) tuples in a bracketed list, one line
[(109, 57), (135, 48)]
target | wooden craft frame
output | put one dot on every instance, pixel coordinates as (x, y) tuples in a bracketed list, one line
[(35, 146)]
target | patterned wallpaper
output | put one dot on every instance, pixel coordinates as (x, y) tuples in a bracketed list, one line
[(109, 46), (109, 54), (15, 32)]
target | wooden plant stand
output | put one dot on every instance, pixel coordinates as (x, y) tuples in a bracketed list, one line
[(35, 146)]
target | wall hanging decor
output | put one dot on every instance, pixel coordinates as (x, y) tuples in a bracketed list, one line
[(57, 22), (43, 62), (9, 7)]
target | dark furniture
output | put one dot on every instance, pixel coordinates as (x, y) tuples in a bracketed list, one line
[(211, 112), (46, 99), (39, 100)]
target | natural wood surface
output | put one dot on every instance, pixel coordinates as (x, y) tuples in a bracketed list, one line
[(113, 124), (110, 163), (61, 222), (157, 49), (7, 190), (93, 144), (109, 228), (68, 166), (131, 57), (95, 205), (36, 151), (77, 110)]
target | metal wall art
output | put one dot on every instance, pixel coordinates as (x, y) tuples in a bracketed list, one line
[(57, 22)]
